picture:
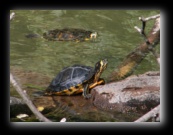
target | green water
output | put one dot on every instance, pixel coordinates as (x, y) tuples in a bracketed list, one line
[(116, 38)]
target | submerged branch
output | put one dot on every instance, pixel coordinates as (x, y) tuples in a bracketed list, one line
[(133, 59)]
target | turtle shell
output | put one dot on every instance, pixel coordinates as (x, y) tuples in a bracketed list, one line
[(70, 80), (68, 34)]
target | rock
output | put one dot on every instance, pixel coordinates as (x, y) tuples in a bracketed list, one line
[(14, 100), (17, 106), (134, 93)]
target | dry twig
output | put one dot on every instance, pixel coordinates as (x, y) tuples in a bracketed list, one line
[(141, 31), (150, 114), (27, 100)]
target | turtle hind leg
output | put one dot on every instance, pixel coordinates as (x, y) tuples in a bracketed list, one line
[(86, 91)]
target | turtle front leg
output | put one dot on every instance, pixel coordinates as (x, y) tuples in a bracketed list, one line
[(99, 82), (86, 91)]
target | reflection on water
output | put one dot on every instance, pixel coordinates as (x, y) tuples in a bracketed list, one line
[(116, 38)]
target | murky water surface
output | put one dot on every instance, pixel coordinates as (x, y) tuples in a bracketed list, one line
[(116, 38)]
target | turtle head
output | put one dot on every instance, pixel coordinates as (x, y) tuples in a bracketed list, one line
[(100, 66), (93, 35)]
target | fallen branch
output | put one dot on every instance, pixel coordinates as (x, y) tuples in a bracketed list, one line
[(133, 59), (141, 31), (27, 100), (150, 114), (144, 20)]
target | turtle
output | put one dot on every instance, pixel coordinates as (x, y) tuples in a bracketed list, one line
[(77, 79), (67, 34)]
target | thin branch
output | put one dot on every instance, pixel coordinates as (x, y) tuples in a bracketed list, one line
[(149, 18), (150, 114), (144, 20), (133, 59), (138, 29), (141, 31), (27, 100)]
